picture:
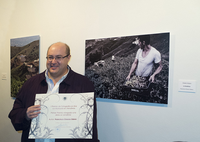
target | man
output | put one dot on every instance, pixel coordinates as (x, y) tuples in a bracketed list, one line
[(58, 78), (145, 58)]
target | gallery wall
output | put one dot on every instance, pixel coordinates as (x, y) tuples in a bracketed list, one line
[(73, 22)]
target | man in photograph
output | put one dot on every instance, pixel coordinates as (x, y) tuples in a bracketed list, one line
[(145, 59)]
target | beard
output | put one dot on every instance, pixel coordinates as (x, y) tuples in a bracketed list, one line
[(142, 47)]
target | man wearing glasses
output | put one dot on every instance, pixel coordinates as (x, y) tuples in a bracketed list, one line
[(58, 78)]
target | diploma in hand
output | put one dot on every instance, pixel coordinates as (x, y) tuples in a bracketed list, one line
[(63, 116)]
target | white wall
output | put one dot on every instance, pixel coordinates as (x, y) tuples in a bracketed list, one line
[(74, 21)]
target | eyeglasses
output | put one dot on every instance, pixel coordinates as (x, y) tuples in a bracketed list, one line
[(57, 58)]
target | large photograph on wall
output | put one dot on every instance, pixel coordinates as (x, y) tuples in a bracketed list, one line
[(130, 68), (24, 60)]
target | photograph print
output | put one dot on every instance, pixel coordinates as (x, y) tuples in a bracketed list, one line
[(24, 61), (130, 68)]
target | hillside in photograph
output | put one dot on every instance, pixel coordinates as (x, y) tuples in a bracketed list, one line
[(24, 64)]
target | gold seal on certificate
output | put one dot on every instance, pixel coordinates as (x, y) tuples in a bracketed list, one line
[(63, 116)]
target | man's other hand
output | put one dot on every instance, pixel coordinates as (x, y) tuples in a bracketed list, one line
[(33, 111)]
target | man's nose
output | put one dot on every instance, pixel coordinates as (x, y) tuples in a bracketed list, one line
[(54, 60)]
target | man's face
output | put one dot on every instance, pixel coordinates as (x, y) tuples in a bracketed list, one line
[(141, 44), (56, 68)]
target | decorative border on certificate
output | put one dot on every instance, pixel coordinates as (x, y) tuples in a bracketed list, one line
[(63, 116)]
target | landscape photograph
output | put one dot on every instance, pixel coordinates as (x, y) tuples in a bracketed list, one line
[(108, 62), (24, 60)]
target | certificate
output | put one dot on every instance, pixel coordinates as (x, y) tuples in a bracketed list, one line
[(63, 116)]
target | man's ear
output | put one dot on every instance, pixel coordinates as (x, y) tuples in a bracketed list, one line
[(69, 56)]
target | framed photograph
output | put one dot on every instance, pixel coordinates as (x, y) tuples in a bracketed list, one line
[(24, 59), (131, 68)]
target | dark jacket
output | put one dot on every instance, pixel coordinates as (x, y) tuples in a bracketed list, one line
[(73, 83)]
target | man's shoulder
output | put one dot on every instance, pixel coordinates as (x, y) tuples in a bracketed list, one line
[(154, 50), (139, 51), (78, 82), (77, 75)]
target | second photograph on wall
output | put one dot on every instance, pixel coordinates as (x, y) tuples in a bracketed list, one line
[(130, 68)]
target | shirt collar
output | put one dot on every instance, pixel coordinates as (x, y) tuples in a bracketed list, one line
[(63, 77)]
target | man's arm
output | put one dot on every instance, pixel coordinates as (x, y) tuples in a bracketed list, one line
[(18, 115), (22, 112), (134, 65), (152, 77)]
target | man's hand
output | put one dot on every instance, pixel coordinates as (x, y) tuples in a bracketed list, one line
[(152, 78), (33, 111), (128, 77)]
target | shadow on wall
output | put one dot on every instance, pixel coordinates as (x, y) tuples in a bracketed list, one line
[(113, 130)]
